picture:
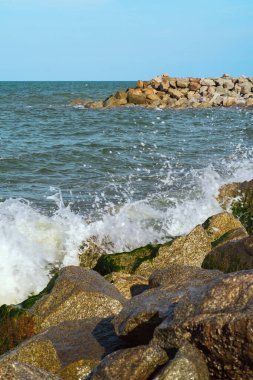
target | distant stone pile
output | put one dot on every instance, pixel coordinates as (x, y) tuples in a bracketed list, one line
[(169, 92)]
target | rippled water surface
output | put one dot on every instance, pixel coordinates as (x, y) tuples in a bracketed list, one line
[(129, 175)]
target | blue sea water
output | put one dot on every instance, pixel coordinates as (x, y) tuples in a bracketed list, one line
[(125, 175)]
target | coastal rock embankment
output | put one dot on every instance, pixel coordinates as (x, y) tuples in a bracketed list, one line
[(179, 310), (171, 92)]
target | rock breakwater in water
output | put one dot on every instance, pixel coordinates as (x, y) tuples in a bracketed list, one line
[(170, 92), (181, 310)]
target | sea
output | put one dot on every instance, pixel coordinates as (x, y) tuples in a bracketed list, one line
[(124, 177)]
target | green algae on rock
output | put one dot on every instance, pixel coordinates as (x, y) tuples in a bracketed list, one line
[(17, 322), (126, 262), (186, 250), (238, 196), (75, 293)]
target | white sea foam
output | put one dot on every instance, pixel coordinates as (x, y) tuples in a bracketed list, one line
[(32, 243)]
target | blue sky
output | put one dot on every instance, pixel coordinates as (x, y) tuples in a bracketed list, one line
[(124, 39)]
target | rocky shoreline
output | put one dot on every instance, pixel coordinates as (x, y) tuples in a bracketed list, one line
[(174, 311), (170, 92)]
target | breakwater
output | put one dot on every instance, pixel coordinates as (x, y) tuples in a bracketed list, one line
[(170, 92)]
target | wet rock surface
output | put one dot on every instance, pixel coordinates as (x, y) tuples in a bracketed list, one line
[(78, 293), (181, 320), (75, 293), (238, 196), (217, 318), (185, 250), (136, 363), (19, 371), (70, 349), (232, 256), (189, 363), (138, 319), (170, 92), (128, 285)]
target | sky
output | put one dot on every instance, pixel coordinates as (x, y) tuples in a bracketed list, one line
[(124, 39)]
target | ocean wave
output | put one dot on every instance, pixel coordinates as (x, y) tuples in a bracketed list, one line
[(32, 243)]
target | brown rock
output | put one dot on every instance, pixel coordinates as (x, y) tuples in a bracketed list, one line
[(70, 350), (19, 371), (218, 319), (191, 95), (239, 197), (96, 105), (90, 251), (229, 101), (172, 83), (232, 256), (216, 100), (129, 285), (178, 276), (249, 102), (182, 103), (194, 85), (203, 104), (185, 250), (140, 84), (203, 90), (246, 88), (121, 95), (153, 97), (237, 88), (207, 82), (149, 91), (211, 90), (135, 96), (174, 93), (218, 225), (221, 90), (192, 249), (137, 363), (78, 293), (112, 101), (182, 82), (138, 319), (189, 363)]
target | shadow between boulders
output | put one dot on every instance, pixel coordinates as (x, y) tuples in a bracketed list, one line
[(104, 333)]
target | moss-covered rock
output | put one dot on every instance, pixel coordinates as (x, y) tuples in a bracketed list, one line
[(17, 322), (75, 293), (126, 262), (185, 250)]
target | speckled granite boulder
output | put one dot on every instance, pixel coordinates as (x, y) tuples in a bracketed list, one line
[(70, 350), (137, 363)]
